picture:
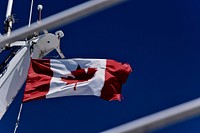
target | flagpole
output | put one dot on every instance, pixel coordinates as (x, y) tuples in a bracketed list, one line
[(65, 17), (160, 119), (18, 118)]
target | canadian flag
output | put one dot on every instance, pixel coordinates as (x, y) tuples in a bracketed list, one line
[(51, 78)]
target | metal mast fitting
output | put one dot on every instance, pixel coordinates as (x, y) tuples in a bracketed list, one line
[(40, 7)]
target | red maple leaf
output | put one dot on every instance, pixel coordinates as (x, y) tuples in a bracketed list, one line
[(79, 75)]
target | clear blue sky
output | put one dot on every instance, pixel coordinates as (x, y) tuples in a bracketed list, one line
[(161, 41)]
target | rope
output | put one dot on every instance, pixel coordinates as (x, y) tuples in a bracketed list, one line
[(18, 118)]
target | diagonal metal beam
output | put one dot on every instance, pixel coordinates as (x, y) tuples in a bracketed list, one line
[(161, 119), (64, 17)]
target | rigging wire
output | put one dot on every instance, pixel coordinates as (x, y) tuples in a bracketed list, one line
[(18, 118), (21, 106)]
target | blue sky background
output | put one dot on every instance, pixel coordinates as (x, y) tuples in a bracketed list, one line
[(160, 39)]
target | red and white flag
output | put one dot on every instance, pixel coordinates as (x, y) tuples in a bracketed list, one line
[(50, 78)]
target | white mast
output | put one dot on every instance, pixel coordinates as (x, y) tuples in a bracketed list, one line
[(9, 8), (30, 15), (9, 18)]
